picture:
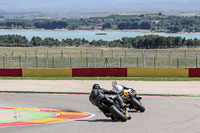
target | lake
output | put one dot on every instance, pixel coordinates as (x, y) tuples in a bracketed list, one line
[(90, 35)]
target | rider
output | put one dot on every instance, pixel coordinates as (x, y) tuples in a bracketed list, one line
[(120, 88), (97, 96)]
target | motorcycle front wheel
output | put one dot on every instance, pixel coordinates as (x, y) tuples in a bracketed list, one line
[(137, 105), (119, 115)]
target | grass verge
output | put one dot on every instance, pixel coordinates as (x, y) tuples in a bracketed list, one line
[(105, 78)]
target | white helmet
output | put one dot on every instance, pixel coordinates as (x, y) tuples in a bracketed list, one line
[(117, 87), (114, 83)]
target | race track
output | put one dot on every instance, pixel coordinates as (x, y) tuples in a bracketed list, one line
[(162, 115)]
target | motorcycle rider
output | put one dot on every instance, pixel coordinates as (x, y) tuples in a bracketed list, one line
[(97, 96), (120, 88)]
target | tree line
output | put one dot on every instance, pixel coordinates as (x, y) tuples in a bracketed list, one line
[(140, 42), (153, 22)]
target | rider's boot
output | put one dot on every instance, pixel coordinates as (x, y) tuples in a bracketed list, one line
[(127, 114), (129, 117)]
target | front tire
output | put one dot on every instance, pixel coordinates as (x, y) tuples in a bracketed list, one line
[(137, 105), (117, 113)]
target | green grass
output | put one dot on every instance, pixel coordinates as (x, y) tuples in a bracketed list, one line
[(105, 78), (82, 57)]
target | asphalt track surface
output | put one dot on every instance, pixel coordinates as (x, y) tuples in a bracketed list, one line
[(162, 115)]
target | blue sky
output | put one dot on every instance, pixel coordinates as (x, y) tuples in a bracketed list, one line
[(98, 5)]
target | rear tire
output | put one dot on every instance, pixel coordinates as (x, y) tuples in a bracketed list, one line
[(120, 116), (137, 105)]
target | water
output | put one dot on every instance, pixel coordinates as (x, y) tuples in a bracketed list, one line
[(90, 35)]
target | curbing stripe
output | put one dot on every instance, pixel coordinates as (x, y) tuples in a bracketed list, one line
[(158, 72), (194, 72), (47, 72), (102, 72), (99, 72), (10, 72), (43, 116)]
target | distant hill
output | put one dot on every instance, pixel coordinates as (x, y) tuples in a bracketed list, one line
[(97, 5)]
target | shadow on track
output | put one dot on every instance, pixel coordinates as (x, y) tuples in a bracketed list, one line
[(98, 120)]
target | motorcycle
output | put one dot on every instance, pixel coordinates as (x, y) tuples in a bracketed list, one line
[(113, 110), (131, 98)]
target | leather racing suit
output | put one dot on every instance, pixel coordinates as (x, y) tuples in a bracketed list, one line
[(97, 95)]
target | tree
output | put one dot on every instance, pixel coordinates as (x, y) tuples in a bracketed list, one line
[(36, 41), (107, 26), (174, 29), (160, 13), (178, 42), (51, 42), (145, 25)]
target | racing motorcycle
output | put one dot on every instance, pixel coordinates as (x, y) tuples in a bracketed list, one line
[(112, 109), (131, 98)]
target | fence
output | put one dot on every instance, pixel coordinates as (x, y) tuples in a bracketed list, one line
[(98, 58)]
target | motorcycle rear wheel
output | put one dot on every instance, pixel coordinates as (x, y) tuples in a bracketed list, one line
[(120, 116)]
